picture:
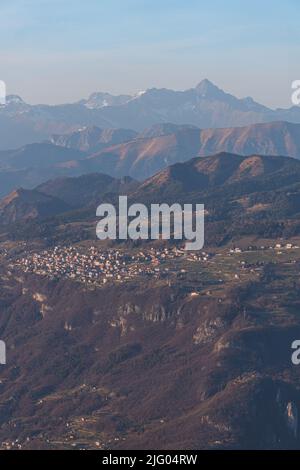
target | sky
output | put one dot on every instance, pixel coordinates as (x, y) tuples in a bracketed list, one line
[(57, 51)]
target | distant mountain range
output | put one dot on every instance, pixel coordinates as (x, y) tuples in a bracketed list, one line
[(93, 139), (145, 156), (37, 156), (205, 106), (139, 156)]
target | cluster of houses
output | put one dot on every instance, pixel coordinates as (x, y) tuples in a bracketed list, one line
[(11, 445), (277, 246), (100, 266), (94, 266)]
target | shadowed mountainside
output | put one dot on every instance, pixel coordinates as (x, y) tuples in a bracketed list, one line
[(255, 195)]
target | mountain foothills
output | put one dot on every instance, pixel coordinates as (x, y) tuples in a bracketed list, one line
[(29, 204), (142, 345), (254, 195), (204, 106), (121, 152)]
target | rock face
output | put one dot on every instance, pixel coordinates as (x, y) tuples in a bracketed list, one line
[(144, 366), (208, 330)]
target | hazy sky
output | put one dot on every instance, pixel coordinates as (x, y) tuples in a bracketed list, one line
[(56, 51)]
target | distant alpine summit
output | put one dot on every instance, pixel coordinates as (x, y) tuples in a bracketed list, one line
[(205, 106)]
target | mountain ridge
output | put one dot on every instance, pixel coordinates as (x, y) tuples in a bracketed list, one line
[(204, 106), (145, 156), (235, 189)]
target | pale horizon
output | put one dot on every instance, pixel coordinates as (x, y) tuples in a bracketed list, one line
[(79, 97), (58, 52)]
